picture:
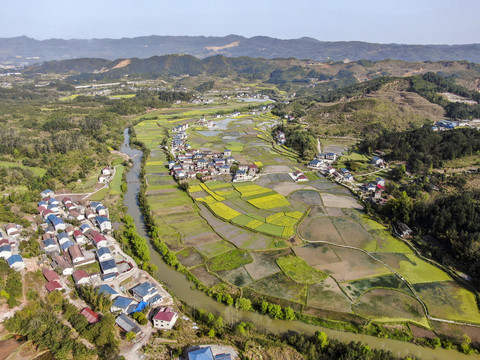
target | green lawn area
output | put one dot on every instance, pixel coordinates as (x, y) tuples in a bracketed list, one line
[(298, 270), (230, 260), (115, 184), (36, 170), (99, 195)]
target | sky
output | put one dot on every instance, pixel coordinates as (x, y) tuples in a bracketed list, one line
[(379, 21)]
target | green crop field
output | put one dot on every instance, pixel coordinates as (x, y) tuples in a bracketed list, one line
[(230, 260), (115, 184), (297, 269), (415, 271)]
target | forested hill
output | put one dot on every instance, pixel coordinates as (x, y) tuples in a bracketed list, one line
[(24, 49)]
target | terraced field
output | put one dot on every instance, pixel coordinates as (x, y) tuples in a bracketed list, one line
[(305, 244)]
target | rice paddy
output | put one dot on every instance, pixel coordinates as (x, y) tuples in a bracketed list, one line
[(266, 236)]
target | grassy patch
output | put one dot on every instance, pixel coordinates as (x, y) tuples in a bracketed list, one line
[(36, 170), (230, 260), (99, 195), (115, 184), (297, 269), (270, 229), (415, 271), (215, 249)]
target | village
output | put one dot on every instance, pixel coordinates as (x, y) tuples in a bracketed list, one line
[(206, 165), (79, 250)]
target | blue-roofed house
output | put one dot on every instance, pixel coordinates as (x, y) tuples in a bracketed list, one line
[(5, 251), (103, 223), (104, 253), (101, 210), (85, 227), (107, 289), (56, 222), (53, 201), (47, 193), (144, 291), (314, 164), (42, 203), (50, 245), (94, 205), (62, 237), (66, 245), (201, 354), (16, 262), (121, 304), (108, 266)]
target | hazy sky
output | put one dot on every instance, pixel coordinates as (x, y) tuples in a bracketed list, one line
[(382, 21)]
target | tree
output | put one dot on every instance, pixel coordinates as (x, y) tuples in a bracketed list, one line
[(211, 333), (275, 311), (264, 307), (289, 314), (322, 338), (140, 317), (243, 304), (130, 336)]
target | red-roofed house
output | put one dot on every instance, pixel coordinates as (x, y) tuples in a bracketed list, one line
[(99, 241), (165, 318), (91, 316), (52, 286), (78, 236), (50, 275), (81, 277)]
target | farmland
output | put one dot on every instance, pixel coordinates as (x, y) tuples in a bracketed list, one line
[(306, 245)]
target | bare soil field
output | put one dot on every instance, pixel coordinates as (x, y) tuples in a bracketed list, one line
[(334, 211), (387, 304), (189, 257), (327, 295), (238, 277), (264, 263), (354, 265), (320, 229), (340, 201), (317, 254), (280, 286), (308, 195), (202, 239), (205, 277), (353, 234)]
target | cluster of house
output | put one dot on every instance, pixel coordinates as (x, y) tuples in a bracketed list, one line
[(70, 246), (105, 175), (281, 139), (190, 163), (322, 160), (339, 175), (374, 189), (9, 246), (298, 176), (206, 353)]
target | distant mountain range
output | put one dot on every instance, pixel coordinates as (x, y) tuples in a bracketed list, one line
[(25, 50)]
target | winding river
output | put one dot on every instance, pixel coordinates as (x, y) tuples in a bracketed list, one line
[(182, 288)]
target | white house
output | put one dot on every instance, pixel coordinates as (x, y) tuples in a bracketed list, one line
[(104, 253), (165, 318), (108, 266), (103, 223), (81, 277), (47, 193), (106, 171)]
